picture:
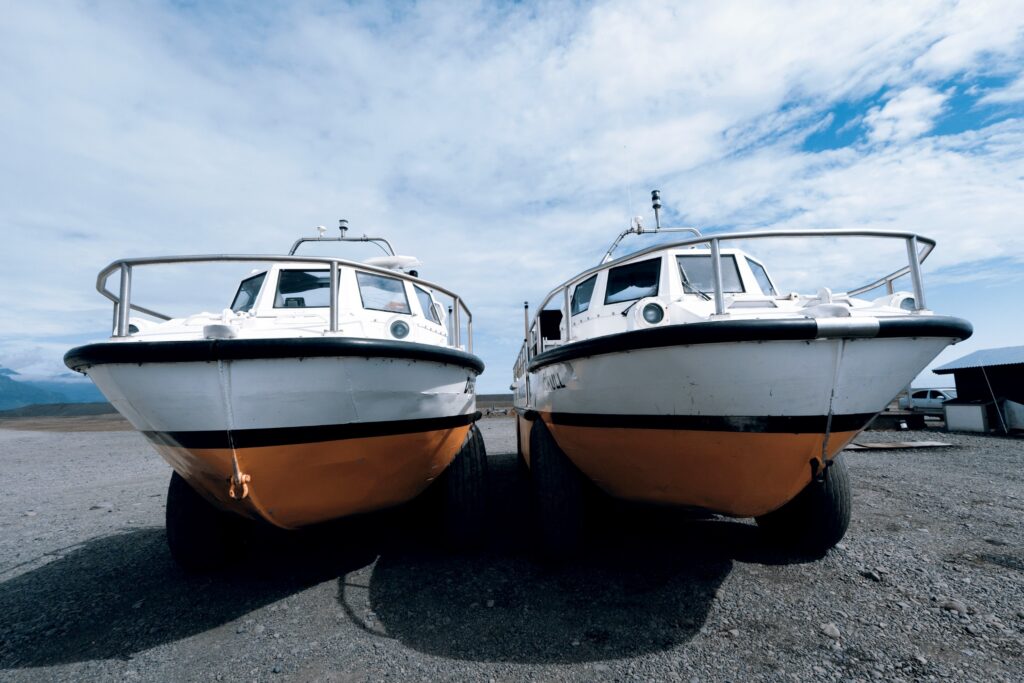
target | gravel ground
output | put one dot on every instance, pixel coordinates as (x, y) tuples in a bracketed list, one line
[(927, 585)]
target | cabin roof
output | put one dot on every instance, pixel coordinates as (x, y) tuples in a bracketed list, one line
[(1007, 355)]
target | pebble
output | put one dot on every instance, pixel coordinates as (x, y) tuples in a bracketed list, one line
[(106, 505), (954, 606), (734, 632), (831, 630), (871, 574)]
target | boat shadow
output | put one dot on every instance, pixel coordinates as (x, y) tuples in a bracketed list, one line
[(645, 583), (114, 596)]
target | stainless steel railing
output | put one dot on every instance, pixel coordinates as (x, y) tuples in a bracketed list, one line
[(125, 267), (918, 249)]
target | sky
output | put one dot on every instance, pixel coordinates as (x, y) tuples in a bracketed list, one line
[(503, 144)]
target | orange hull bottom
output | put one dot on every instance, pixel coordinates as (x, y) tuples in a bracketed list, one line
[(744, 474), (296, 485)]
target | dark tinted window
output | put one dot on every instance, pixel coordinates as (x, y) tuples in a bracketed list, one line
[(427, 304), (920, 394), (303, 289), (581, 295), (762, 278), (695, 271), (247, 291), (382, 293), (633, 281)]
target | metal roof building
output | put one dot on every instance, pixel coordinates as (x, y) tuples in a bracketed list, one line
[(987, 358), (993, 377)]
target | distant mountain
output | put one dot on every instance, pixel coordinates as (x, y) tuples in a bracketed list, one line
[(59, 410), (14, 393)]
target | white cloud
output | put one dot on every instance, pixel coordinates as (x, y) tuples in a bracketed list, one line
[(501, 145), (1014, 92), (908, 114)]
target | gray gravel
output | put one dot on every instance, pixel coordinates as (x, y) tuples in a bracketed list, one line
[(927, 585)]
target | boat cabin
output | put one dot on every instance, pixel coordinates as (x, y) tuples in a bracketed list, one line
[(676, 285), (370, 304), (650, 290)]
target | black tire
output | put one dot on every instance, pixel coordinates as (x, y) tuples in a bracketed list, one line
[(818, 517), (464, 486), (521, 465), (200, 536), (558, 496)]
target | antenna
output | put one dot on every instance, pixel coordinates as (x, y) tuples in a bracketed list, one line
[(656, 203), (343, 226)]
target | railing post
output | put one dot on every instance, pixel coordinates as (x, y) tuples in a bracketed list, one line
[(915, 272), (469, 331), (458, 322), (451, 328), (716, 271), (124, 306), (526, 329), (568, 316), (334, 296)]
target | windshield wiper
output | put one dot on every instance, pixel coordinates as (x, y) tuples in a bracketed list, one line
[(688, 285)]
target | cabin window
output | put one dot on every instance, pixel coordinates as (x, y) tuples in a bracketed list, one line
[(762, 278), (303, 289), (245, 297), (633, 281), (427, 304), (581, 295), (695, 271), (382, 293)]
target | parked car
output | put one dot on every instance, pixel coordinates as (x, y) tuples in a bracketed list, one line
[(929, 400)]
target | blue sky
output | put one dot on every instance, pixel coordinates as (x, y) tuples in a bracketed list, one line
[(505, 145)]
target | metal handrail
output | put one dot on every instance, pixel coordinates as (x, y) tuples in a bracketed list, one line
[(916, 245), (126, 265)]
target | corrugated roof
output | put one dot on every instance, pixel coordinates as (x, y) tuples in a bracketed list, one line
[(1008, 355)]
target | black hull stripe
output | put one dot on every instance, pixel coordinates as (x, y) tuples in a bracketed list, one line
[(769, 424), (285, 436), (209, 350), (731, 331)]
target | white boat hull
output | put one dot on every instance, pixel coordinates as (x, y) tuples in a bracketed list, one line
[(314, 437), (736, 427)]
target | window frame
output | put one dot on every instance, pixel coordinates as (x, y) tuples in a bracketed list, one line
[(430, 312), (277, 289), (657, 284), (572, 300), (405, 293), (711, 290), (752, 263), (263, 279)]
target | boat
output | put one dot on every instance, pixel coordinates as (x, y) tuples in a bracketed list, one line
[(681, 375), (327, 388)]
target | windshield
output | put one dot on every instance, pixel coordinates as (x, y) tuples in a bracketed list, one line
[(245, 298), (695, 271)]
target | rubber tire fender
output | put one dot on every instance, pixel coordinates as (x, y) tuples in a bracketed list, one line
[(464, 489), (557, 496), (199, 536), (818, 517)]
